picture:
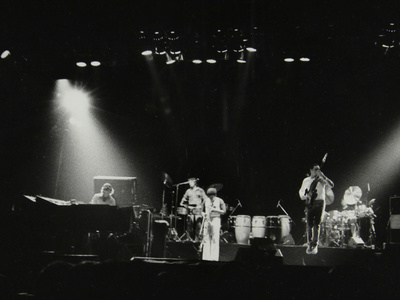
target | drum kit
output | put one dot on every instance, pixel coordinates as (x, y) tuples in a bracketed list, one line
[(179, 213), (355, 221)]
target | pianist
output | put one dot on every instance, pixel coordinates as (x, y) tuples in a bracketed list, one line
[(105, 196)]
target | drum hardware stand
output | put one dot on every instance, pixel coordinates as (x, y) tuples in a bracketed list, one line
[(172, 234), (186, 235), (149, 236)]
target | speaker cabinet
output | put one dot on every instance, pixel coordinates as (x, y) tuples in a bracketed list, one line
[(125, 188), (356, 242), (394, 219)]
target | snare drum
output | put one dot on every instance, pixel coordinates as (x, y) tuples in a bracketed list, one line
[(196, 211), (349, 217), (258, 224), (242, 229), (182, 211)]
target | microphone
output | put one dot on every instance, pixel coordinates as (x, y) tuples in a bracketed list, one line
[(279, 202), (239, 202), (186, 182)]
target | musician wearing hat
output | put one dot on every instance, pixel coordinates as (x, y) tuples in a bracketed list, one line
[(193, 199), (313, 192), (105, 196), (214, 208)]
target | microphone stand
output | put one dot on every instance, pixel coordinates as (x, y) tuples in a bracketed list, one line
[(237, 205), (163, 208), (279, 205), (173, 233)]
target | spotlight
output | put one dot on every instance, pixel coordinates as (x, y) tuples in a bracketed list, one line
[(147, 52), (95, 63), (304, 59), (197, 61), (289, 59), (81, 64), (251, 49), (211, 61), (5, 54)]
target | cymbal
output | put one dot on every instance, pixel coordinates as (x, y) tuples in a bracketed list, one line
[(167, 179), (329, 196), (352, 195), (217, 186)]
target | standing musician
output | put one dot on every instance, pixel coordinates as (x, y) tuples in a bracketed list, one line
[(214, 208), (193, 199), (312, 191)]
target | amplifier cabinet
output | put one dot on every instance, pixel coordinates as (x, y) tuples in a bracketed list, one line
[(394, 219)]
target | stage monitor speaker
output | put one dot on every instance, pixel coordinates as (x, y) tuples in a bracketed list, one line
[(356, 242), (159, 230), (262, 252), (125, 188), (394, 221)]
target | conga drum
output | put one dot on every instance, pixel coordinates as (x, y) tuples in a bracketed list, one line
[(285, 225), (258, 224), (273, 228), (242, 229)]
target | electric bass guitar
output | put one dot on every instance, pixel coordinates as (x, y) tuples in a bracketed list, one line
[(311, 192)]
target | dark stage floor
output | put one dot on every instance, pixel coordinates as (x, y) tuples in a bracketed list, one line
[(243, 271)]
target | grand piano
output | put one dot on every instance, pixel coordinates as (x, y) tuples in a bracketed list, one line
[(54, 214), (62, 225)]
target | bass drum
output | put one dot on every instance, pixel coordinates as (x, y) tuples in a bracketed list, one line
[(242, 229)]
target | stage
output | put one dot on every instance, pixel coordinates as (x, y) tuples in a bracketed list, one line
[(243, 272), (292, 255)]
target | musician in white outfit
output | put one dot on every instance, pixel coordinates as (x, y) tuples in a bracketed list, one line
[(313, 192), (214, 208)]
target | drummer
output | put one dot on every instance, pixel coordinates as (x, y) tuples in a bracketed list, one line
[(193, 199)]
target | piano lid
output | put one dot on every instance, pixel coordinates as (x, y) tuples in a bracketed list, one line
[(47, 200)]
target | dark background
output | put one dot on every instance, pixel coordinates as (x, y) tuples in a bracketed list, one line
[(255, 128)]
